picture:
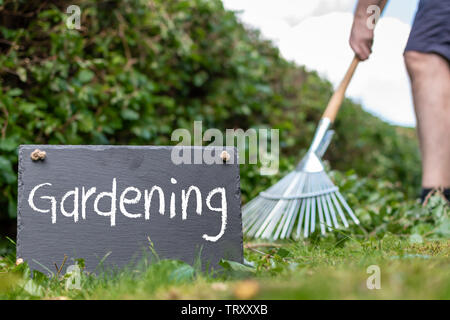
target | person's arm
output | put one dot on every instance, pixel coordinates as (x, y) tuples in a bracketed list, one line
[(361, 36)]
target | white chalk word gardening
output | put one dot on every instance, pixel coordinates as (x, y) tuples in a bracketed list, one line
[(119, 199)]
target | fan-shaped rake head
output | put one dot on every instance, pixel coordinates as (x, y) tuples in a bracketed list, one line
[(302, 201), (295, 206)]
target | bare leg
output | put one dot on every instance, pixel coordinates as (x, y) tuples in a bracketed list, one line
[(430, 83)]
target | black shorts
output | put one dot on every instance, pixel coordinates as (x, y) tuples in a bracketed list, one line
[(430, 32)]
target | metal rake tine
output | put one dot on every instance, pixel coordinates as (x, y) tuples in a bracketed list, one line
[(308, 212), (256, 223), (286, 225), (277, 225), (321, 221), (276, 215), (326, 185), (349, 210), (339, 210), (327, 214), (306, 227), (300, 219), (281, 207), (274, 210), (259, 221), (269, 205), (281, 185), (313, 213), (280, 227), (255, 215), (294, 210), (291, 224), (286, 233), (290, 208), (250, 210), (252, 204), (276, 229), (333, 213)]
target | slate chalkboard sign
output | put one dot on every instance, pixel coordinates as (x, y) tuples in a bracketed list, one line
[(94, 201)]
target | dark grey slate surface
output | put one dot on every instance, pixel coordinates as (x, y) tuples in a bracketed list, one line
[(67, 167)]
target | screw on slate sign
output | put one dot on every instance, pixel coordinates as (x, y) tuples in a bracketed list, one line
[(225, 156), (38, 155)]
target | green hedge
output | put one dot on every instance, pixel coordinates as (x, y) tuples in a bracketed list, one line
[(137, 70)]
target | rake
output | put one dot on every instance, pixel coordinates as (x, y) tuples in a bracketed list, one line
[(305, 199)]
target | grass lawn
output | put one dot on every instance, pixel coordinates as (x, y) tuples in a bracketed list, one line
[(324, 270), (409, 243)]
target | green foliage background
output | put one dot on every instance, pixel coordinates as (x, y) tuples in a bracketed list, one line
[(138, 69)]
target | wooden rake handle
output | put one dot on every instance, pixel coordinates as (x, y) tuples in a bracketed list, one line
[(338, 96)]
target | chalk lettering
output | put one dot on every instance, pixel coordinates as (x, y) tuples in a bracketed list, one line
[(130, 195)]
